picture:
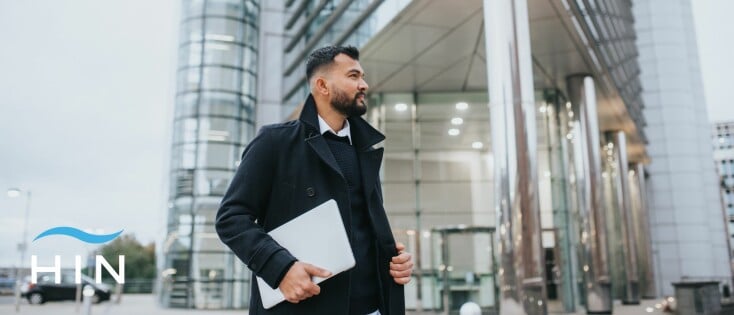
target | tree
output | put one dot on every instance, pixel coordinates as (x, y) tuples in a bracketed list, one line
[(139, 259)]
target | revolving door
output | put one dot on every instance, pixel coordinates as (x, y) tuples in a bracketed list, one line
[(465, 267)]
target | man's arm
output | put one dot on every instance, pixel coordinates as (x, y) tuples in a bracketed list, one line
[(244, 202)]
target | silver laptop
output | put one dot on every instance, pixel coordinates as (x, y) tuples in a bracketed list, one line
[(316, 237)]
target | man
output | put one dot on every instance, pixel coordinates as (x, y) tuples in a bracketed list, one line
[(292, 167)]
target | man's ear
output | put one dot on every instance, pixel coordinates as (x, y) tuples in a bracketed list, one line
[(321, 86)]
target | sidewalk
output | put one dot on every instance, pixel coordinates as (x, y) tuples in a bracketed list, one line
[(147, 304)]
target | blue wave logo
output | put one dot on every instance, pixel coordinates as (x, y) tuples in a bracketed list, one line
[(79, 234)]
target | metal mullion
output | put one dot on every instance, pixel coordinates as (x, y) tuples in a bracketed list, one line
[(306, 25), (217, 16), (323, 28), (296, 13)]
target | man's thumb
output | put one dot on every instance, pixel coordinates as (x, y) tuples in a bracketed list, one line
[(316, 271)]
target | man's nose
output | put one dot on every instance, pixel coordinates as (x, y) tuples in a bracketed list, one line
[(363, 85)]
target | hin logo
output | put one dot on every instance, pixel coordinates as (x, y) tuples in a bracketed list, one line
[(100, 261)]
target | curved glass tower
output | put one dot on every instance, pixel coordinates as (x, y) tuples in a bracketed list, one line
[(214, 120)]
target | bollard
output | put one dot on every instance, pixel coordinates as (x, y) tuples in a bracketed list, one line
[(17, 293), (470, 308), (118, 293), (78, 297), (88, 293)]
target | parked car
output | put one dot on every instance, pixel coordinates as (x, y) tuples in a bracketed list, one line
[(7, 286), (46, 289)]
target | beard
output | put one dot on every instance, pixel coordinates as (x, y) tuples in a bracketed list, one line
[(349, 106)]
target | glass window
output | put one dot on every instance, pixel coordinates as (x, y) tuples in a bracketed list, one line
[(219, 129), (213, 182), (231, 8), (217, 78), (722, 168), (184, 130), (183, 156), (189, 55), (249, 81), (220, 104), (179, 207), (191, 8), (186, 105), (177, 256), (249, 59), (191, 30), (182, 182), (218, 155), (221, 29), (247, 132), (222, 53), (188, 79)]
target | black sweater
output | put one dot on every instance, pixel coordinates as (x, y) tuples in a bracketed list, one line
[(364, 286)]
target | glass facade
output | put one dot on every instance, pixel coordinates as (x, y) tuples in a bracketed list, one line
[(435, 176), (313, 24), (723, 144), (214, 119), (609, 24), (438, 173)]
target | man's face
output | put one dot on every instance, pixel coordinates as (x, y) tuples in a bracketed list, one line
[(348, 87)]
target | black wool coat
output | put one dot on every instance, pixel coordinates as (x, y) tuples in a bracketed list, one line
[(286, 170)]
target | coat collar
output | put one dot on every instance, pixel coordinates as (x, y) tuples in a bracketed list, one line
[(363, 135)]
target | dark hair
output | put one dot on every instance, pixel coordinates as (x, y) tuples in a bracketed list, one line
[(324, 56)]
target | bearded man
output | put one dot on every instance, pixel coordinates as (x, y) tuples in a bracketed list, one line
[(292, 167)]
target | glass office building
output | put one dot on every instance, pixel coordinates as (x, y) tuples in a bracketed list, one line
[(723, 144), (517, 166), (214, 118)]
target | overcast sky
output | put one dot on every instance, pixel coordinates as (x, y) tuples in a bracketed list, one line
[(85, 94), (85, 113)]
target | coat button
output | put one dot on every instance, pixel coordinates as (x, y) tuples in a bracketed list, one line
[(310, 192)]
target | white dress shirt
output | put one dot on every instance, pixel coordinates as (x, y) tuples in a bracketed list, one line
[(324, 128)]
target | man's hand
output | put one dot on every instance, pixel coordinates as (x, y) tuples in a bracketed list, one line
[(297, 284), (401, 266)]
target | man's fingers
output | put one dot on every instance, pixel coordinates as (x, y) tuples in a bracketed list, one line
[(400, 273), (401, 267), (402, 280), (400, 247), (313, 289), (402, 258), (316, 271)]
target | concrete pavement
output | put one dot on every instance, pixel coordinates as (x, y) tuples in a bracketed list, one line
[(146, 304)]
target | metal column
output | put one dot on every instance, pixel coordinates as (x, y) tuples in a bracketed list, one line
[(556, 130), (629, 246), (593, 256), (640, 216), (514, 144)]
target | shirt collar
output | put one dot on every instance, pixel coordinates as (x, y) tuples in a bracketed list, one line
[(324, 128)]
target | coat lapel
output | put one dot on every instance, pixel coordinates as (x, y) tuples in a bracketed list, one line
[(369, 162), (309, 117), (364, 137), (319, 145)]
